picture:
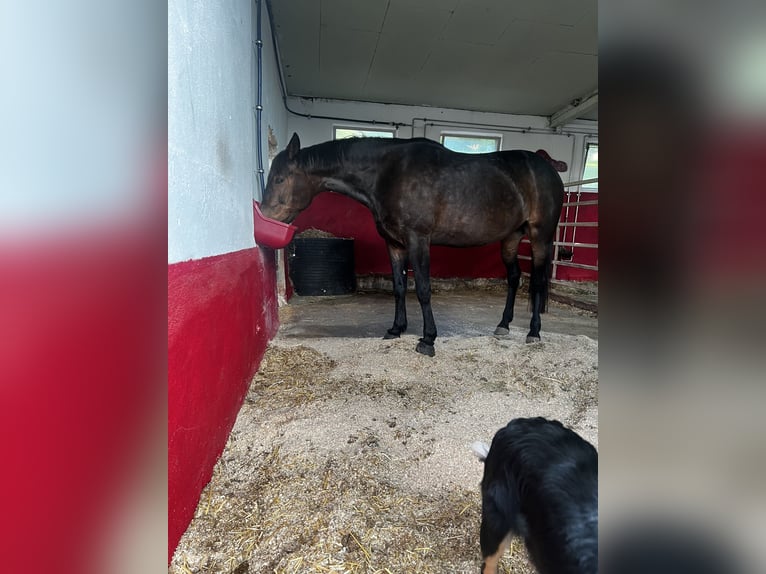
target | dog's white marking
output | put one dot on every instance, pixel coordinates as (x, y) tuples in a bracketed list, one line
[(481, 450)]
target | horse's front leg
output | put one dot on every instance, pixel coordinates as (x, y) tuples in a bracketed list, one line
[(398, 256), (420, 258)]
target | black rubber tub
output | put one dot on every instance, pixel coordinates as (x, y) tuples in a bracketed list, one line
[(322, 265)]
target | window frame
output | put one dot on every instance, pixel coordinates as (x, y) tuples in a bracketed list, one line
[(381, 130), (589, 187), (473, 135)]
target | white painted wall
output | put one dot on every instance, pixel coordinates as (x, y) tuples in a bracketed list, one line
[(211, 123), (210, 158), (568, 147)]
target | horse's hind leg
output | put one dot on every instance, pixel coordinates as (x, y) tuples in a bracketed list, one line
[(508, 249), (398, 256), (420, 258), (542, 256)]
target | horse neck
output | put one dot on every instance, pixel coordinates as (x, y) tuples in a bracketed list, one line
[(350, 175)]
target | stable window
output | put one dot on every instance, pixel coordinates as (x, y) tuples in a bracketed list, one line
[(343, 133), (467, 143), (590, 170)]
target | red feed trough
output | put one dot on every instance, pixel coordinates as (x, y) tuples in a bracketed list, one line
[(270, 232)]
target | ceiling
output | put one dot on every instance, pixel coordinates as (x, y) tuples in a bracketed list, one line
[(510, 56)]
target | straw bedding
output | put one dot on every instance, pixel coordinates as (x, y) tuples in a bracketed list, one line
[(352, 455)]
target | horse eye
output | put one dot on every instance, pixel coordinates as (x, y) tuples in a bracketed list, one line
[(279, 179)]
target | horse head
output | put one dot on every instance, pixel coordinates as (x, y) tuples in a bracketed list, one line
[(288, 190)]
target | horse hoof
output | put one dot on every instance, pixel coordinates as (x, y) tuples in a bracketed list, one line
[(390, 335), (425, 349), (531, 339), (502, 332)]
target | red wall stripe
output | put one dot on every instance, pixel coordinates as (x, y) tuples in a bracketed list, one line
[(344, 217), (222, 311)]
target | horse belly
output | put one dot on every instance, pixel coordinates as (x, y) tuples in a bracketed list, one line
[(471, 229)]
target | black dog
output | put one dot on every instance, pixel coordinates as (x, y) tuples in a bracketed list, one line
[(541, 483)]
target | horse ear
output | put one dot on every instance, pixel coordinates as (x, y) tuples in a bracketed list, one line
[(294, 146)]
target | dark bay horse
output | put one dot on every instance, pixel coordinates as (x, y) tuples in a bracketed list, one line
[(422, 194)]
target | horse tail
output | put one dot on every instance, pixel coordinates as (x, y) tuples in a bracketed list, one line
[(539, 283), (545, 288)]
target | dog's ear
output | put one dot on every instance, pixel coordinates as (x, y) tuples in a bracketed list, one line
[(294, 146)]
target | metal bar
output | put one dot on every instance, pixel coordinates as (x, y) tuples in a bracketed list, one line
[(574, 109), (579, 224), (566, 218), (581, 182), (576, 218), (578, 265), (576, 244), (555, 252), (441, 122), (588, 202), (259, 106), (569, 243)]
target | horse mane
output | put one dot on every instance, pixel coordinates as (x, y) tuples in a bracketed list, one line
[(330, 154)]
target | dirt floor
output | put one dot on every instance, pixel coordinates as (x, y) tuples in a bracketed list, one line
[(351, 453)]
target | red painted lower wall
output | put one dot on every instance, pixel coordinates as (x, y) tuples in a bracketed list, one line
[(222, 311), (344, 217)]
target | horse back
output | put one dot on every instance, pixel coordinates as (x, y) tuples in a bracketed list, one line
[(464, 199)]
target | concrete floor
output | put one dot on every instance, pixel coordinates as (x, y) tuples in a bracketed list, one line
[(457, 313)]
